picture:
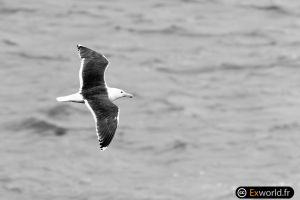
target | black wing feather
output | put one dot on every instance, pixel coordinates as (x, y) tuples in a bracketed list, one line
[(106, 118), (92, 68)]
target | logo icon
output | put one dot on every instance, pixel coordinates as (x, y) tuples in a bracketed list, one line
[(241, 192)]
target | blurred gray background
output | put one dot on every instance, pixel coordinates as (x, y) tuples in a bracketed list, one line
[(216, 105)]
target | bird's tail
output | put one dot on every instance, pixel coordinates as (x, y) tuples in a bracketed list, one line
[(77, 98)]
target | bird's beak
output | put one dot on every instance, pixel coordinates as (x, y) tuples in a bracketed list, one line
[(128, 95)]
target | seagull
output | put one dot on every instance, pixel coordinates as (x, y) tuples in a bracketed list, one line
[(96, 95)]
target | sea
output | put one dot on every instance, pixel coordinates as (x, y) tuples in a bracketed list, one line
[(216, 104)]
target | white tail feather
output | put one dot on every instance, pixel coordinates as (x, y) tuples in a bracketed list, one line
[(71, 98)]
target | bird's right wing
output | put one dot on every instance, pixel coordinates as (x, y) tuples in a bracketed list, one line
[(106, 116), (93, 65)]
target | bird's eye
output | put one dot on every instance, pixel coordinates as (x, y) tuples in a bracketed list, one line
[(121, 91)]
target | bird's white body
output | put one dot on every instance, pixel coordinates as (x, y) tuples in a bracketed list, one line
[(113, 94), (77, 98)]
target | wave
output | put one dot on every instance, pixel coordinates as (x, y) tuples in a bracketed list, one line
[(6, 11), (41, 126), (162, 105), (177, 146), (285, 126), (85, 13), (59, 110), (9, 42), (209, 69), (170, 30), (270, 8), (39, 57)]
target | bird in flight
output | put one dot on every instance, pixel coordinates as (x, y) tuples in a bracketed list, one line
[(96, 95)]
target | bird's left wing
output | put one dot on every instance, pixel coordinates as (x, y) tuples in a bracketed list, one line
[(93, 65), (106, 116)]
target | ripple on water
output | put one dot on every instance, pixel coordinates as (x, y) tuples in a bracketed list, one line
[(165, 31), (271, 8), (41, 126), (39, 57), (9, 42), (177, 145), (11, 11), (285, 127), (159, 105), (60, 110), (210, 69)]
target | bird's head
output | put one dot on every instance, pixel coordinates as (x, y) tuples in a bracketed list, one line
[(115, 93)]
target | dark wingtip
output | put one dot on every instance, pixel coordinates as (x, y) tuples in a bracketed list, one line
[(103, 148), (79, 46), (85, 52)]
